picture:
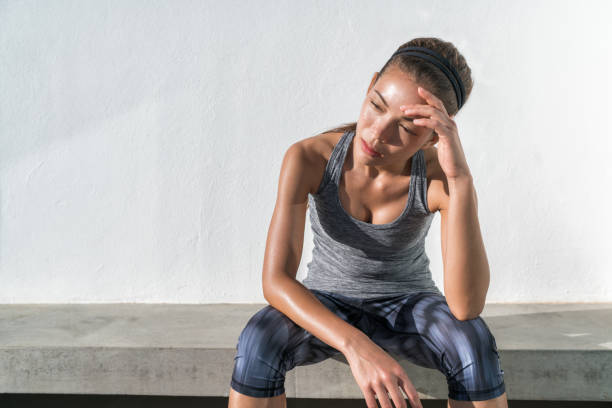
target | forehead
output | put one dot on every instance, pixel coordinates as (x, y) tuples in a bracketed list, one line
[(397, 88)]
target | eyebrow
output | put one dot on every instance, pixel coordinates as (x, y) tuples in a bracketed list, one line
[(408, 118)]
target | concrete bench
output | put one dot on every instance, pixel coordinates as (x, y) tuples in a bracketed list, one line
[(547, 351)]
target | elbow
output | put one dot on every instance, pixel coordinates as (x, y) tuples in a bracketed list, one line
[(466, 314), (268, 284), (271, 287), (466, 306), (465, 317), (462, 317), (268, 289)]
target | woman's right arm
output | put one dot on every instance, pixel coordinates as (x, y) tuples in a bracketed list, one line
[(375, 371), (298, 176)]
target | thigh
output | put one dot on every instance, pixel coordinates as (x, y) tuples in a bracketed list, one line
[(425, 332), (304, 348), (272, 344), (402, 325)]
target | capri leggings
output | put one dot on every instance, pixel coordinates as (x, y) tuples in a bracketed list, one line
[(418, 326)]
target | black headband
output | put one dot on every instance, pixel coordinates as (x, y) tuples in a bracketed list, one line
[(440, 62)]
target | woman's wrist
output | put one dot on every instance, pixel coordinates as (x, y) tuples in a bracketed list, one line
[(354, 342)]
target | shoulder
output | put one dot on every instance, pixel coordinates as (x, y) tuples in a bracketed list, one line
[(312, 154), (437, 190)]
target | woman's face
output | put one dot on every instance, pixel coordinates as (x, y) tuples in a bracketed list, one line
[(384, 127)]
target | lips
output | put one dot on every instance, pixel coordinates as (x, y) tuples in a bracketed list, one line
[(368, 148)]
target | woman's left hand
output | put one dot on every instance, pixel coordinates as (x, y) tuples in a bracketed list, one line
[(450, 153)]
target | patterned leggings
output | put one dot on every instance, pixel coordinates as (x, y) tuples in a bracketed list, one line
[(418, 326)]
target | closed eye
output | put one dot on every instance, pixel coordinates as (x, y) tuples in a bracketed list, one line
[(378, 107)]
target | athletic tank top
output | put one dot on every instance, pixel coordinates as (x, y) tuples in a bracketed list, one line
[(359, 259)]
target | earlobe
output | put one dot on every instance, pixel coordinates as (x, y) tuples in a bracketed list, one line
[(433, 140)]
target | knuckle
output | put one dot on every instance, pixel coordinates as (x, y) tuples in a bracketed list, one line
[(385, 377), (378, 381)]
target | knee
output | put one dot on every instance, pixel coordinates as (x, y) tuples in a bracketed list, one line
[(470, 342), (475, 371), (264, 338), (259, 364)]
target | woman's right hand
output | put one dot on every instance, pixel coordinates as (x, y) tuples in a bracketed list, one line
[(377, 373)]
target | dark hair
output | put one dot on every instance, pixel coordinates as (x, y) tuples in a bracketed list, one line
[(427, 74)]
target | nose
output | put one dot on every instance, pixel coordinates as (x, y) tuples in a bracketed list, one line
[(381, 132), (376, 144), (378, 139)]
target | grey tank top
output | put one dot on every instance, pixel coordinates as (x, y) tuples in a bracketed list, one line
[(359, 259)]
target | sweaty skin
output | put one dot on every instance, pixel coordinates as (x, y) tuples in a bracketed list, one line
[(372, 189)]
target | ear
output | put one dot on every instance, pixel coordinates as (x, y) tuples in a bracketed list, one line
[(433, 139)]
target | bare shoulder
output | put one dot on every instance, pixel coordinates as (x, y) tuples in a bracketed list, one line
[(437, 184), (316, 151)]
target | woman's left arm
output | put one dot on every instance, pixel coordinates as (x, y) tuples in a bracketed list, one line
[(466, 268)]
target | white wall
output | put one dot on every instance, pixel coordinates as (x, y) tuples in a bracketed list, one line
[(141, 141)]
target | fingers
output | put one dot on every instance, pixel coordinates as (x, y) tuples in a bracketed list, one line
[(396, 395), (431, 99), (434, 124), (381, 393), (411, 392), (370, 400), (429, 112)]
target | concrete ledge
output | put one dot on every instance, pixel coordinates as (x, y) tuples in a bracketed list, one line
[(547, 351)]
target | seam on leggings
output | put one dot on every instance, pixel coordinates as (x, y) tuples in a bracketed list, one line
[(255, 391), (488, 393)]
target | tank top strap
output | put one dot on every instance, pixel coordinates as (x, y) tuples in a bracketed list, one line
[(333, 170), (338, 156), (332, 166), (421, 173)]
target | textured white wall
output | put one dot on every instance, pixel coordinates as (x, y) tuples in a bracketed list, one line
[(141, 141)]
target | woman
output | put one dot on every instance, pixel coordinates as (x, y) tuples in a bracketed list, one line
[(373, 187)]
